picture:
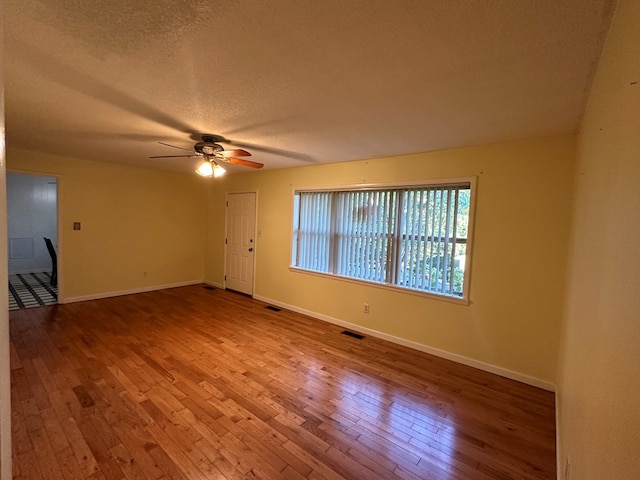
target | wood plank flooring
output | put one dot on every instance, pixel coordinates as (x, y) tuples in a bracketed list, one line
[(192, 383)]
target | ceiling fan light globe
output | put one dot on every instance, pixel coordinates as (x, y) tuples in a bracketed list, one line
[(205, 169), (218, 171)]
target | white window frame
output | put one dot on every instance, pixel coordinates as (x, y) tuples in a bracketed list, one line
[(471, 181)]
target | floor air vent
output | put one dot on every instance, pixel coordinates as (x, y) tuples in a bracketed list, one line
[(209, 287), (352, 334), (271, 307)]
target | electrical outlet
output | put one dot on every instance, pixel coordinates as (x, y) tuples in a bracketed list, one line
[(365, 308)]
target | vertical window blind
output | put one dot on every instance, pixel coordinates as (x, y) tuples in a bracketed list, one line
[(413, 237)]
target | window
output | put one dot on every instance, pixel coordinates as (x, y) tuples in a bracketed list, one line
[(412, 237)]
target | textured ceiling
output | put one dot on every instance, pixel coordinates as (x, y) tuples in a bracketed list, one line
[(295, 82)]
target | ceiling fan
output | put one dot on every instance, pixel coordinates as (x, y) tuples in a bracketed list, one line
[(212, 153)]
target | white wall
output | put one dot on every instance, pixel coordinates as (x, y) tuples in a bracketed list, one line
[(31, 216), (599, 385)]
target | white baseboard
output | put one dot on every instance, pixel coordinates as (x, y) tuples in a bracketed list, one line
[(487, 367), (31, 270), (98, 296), (215, 284)]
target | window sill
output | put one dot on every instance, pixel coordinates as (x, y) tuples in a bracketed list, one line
[(394, 288)]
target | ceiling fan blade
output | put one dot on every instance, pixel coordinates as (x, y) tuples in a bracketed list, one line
[(244, 163), (235, 153), (176, 156), (272, 151), (209, 137), (173, 146)]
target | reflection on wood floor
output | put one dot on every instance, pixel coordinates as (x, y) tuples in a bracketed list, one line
[(197, 384)]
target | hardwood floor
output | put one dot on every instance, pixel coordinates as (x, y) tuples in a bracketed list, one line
[(192, 383)]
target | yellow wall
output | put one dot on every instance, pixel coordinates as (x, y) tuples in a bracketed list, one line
[(519, 252), (133, 221), (599, 387), (5, 386)]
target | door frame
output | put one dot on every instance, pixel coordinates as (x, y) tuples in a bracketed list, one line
[(59, 219), (255, 238)]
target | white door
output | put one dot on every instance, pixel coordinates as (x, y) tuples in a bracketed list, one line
[(241, 220)]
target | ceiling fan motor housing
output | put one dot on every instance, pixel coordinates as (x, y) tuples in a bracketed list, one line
[(208, 148)]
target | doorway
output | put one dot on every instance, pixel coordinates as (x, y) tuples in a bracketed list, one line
[(240, 242), (32, 216)]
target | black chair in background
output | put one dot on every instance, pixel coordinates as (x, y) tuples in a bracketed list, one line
[(54, 261)]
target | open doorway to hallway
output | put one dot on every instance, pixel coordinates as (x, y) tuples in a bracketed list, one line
[(32, 216)]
